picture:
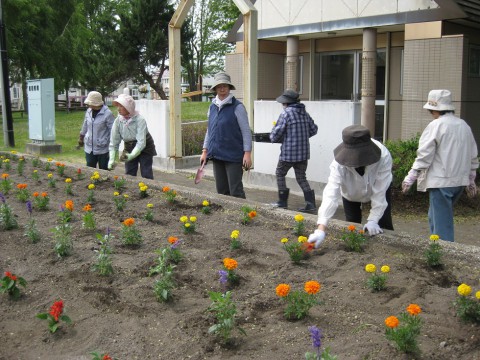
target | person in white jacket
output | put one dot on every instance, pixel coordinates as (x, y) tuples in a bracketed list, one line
[(446, 163), (360, 173)]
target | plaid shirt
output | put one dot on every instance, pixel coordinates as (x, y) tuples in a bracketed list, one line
[(293, 129)]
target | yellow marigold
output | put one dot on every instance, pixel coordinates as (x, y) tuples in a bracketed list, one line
[(282, 290), (184, 219), (312, 287), (6, 160), (68, 180), (5, 176), (50, 176), (434, 237), (205, 203), (351, 227), (187, 225), (370, 268), (13, 152), (414, 309), (230, 264), (144, 188), (129, 222), (49, 159), (252, 214), (87, 207), (165, 189), (464, 289), (284, 240), (299, 218), (149, 206), (235, 234), (91, 186), (140, 184), (116, 193), (172, 239), (477, 295), (69, 205), (302, 239), (125, 196), (385, 269), (392, 322), (193, 219), (35, 171)]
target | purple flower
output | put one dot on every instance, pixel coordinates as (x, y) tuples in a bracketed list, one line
[(316, 337), (108, 227), (175, 244), (2, 198), (29, 207), (223, 276)]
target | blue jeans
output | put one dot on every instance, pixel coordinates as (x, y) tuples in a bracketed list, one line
[(440, 212), (145, 161)]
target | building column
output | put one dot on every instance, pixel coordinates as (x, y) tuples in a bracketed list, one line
[(291, 68), (369, 66)]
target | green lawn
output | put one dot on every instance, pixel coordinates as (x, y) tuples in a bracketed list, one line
[(68, 126)]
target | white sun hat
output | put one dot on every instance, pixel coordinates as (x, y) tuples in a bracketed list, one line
[(439, 100)]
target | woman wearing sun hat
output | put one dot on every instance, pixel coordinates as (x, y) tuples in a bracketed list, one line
[(361, 172), (446, 163), (95, 132), (228, 141), (131, 127)]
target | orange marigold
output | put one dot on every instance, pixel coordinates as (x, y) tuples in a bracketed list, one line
[(252, 214), (414, 309), (230, 264), (351, 227), (312, 287), (5, 176), (69, 205), (282, 290), (392, 322), (21, 186), (44, 194), (165, 189), (87, 207), (129, 222), (35, 194), (172, 240)]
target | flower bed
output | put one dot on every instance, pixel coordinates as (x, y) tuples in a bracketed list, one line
[(121, 315)]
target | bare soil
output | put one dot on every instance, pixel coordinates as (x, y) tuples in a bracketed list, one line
[(120, 315)]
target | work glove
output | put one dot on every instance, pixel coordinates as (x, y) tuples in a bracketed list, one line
[(317, 237), (111, 160), (409, 180), (472, 187), (372, 227), (80, 140), (133, 154)]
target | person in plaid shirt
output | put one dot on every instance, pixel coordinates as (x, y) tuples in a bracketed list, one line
[(293, 129)]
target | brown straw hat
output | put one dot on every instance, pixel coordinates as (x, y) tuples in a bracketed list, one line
[(357, 148)]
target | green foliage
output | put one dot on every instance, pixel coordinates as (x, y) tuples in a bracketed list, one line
[(403, 154), (248, 213), (104, 260), (131, 236), (377, 282), (297, 250), (433, 254), (354, 239), (468, 309), (31, 231), (299, 304), (406, 334), (324, 355), (224, 309), (7, 217), (164, 285), (63, 239)]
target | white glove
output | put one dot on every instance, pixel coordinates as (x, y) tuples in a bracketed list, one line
[(133, 154), (373, 228), (472, 187), (317, 237), (111, 159), (409, 180)]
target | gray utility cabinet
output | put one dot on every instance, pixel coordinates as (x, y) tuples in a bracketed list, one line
[(41, 111)]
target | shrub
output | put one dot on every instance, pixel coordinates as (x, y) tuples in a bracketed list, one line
[(403, 154)]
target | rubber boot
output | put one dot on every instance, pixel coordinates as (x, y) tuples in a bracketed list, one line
[(310, 206), (283, 199)]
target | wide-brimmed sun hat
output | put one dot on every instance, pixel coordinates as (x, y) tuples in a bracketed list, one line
[(357, 148), (127, 102), (439, 100), (289, 96), (222, 78), (94, 98)]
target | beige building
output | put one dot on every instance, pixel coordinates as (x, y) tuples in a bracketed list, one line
[(321, 48)]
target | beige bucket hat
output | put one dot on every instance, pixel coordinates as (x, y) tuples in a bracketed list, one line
[(222, 78), (94, 98), (439, 100)]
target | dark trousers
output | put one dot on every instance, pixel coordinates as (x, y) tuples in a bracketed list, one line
[(100, 159), (353, 211), (228, 178), (300, 168), (145, 161)]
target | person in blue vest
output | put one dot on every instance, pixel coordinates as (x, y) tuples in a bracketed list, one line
[(95, 133), (228, 140)]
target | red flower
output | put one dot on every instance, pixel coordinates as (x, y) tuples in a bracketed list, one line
[(79, 171), (56, 309), (10, 275), (106, 357)]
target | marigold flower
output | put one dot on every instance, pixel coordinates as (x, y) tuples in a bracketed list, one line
[(230, 264), (477, 295), (385, 269), (370, 268), (149, 206), (6, 160), (172, 240), (5, 176), (35, 194), (361, 231), (116, 193), (193, 219), (284, 240), (129, 222), (87, 207), (115, 177), (91, 186), (144, 188), (434, 237), (50, 175), (35, 171), (21, 186), (187, 225), (44, 194), (13, 152), (392, 322), (252, 214), (302, 239), (414, 309), (299, 218), (58, 164), (312, 287), (464, 289), (165, 189), (125, 196), (184, 219), (49, 159), (351, 227), (235, 234), (205, 203), (282, 290), (141, 184), (69, 205), (68, 180)]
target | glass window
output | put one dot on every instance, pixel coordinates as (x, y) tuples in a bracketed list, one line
[(336, 71), (474, 61)]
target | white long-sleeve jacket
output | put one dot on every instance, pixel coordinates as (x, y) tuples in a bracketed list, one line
[(345, 181)]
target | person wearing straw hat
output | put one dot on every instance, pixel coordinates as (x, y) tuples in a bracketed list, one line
[(228, 140), (360, 172), (446, 163), (95, 132), (131, 127), (293, 130)]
